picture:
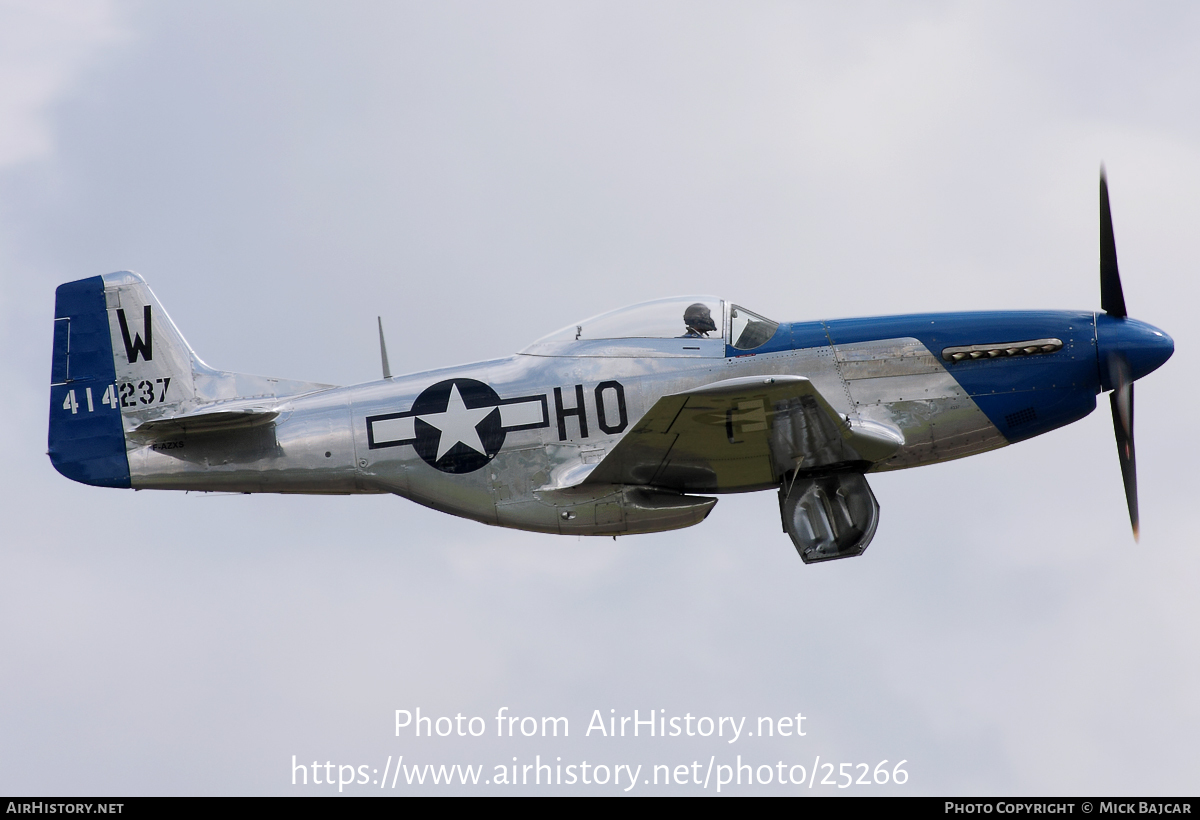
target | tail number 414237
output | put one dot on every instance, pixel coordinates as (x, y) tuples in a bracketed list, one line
[(122, 394)]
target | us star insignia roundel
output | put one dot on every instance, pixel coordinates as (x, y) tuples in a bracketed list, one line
[(457, 425)]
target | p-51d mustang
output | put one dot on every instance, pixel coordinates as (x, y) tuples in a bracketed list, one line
[(610, 426)]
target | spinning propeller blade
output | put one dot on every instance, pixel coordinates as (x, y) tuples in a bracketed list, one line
[(1112, 299)]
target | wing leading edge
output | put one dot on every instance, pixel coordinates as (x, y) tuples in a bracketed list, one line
[(741, 434)]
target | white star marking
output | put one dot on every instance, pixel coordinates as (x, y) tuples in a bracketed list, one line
[(457, 424)]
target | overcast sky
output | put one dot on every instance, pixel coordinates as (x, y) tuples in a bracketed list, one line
[(481, 174)]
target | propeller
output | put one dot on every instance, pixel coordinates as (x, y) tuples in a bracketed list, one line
[(1112, 299)]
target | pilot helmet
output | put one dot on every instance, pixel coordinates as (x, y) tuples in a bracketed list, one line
[(699, 318)]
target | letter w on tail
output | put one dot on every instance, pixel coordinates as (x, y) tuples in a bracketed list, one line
[(138, 345)]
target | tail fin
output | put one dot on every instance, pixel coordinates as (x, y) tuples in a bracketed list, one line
[(119, 362)]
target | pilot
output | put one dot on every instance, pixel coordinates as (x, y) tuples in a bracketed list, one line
[(698, 320)]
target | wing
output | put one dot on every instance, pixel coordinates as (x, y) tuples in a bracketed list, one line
[(740, 434)]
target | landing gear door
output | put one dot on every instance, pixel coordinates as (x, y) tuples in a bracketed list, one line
[(829, 517)]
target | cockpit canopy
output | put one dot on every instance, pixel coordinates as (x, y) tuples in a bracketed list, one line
[(676, 326)]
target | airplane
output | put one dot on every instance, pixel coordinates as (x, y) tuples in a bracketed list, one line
[(627, 422)]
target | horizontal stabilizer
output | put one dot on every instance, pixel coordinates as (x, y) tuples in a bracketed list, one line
[(209, 420)]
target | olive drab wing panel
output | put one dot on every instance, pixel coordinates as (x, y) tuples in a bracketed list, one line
[(741, 434)]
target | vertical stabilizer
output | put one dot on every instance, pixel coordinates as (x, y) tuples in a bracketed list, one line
[(118, 361), (153, 363)]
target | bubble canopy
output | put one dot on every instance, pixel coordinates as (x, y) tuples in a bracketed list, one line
[(686, 325)]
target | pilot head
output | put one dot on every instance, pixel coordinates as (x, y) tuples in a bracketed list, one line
[(698, 319)]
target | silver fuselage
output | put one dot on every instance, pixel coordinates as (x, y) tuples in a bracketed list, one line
[(319, 442)]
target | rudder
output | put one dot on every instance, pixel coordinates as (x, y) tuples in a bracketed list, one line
[(87, 441)]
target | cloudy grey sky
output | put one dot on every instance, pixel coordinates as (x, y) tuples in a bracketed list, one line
[(481, 174)]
